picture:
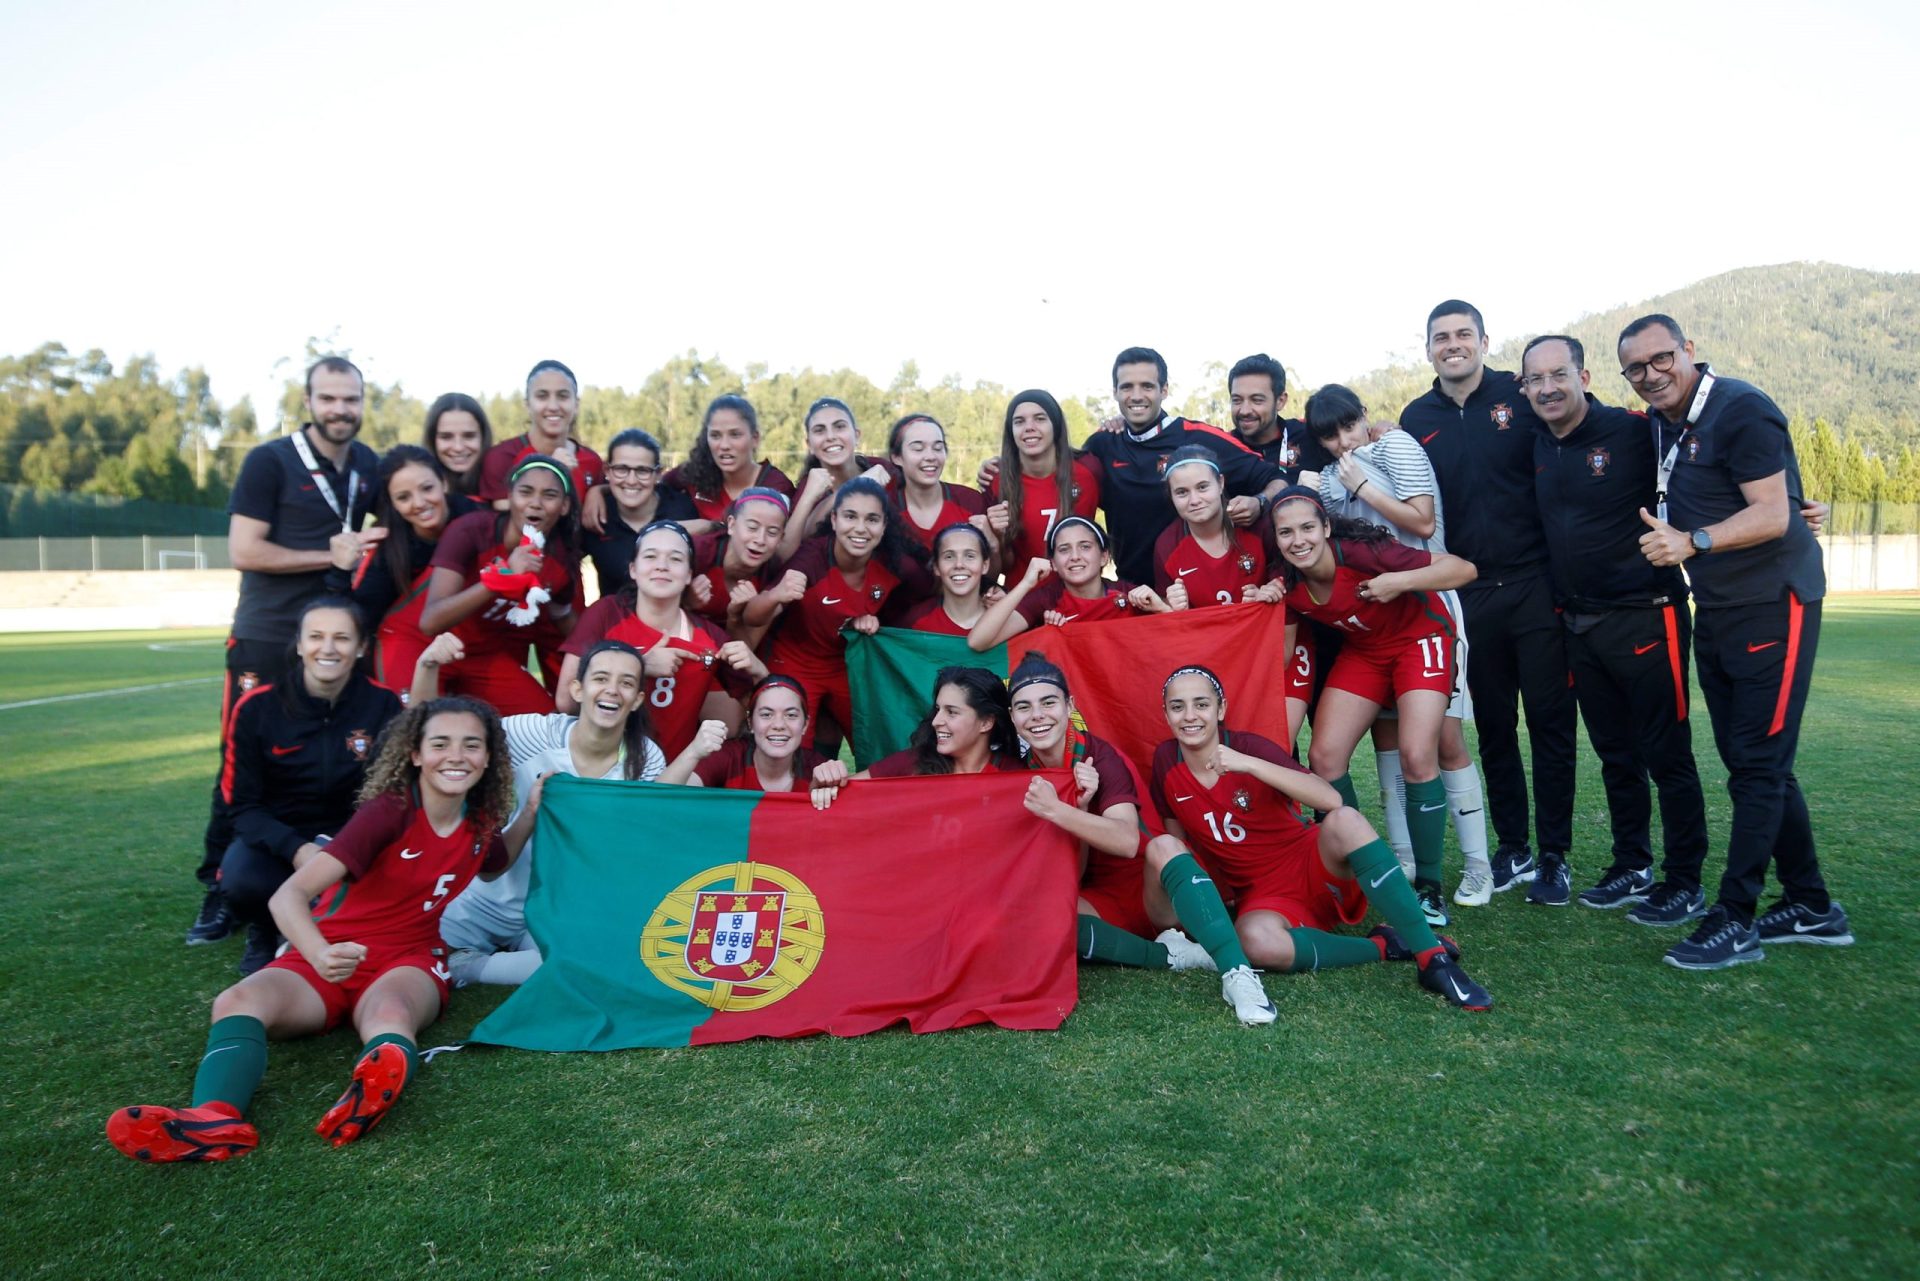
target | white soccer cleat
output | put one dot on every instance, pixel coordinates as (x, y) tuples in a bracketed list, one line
[(1476, 886), (1241, 988), (1185, 954)]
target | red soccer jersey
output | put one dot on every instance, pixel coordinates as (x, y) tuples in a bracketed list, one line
[(1239, 823), (400, 875), (732, 766), (1369, 625), (499, 462), (709, 562), (963, 501), (1040, 510), (808, 633), (398, 641), (714, 506), (1053, 595), (468, 547), (1118, 785), (906, 764), (932, 616), (1210, 580), (673, 702)]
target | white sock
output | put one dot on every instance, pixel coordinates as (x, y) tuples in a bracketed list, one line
[(1469, 809), (509, 969), (1393, 797)]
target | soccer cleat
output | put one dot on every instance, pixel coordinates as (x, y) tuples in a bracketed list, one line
[(1394, 948), (215, 921), (1512, 865), (1241, 988), (377, 1081), (263, 942), (1185, 954), (1431, 905), (1476, 886), (1553, 883), (1669, 905), (215, 1132), (1717, 943), (1787, 922), (1619, 889), (1443, 975)]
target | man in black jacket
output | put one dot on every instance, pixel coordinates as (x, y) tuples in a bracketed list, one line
[(1478, 432), (1627, 630)]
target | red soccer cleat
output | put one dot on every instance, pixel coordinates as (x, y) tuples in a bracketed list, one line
[(214, 1132), (377, 1081)]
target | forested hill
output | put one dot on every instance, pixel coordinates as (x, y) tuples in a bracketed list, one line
[(1826, 342)]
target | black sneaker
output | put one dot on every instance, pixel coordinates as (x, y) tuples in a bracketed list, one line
[(1433, 904), (1667, 905), (215, 922), (1619, 889), (1717, 943), (1512, 865), (1443, 975), (1553, 884), (1394, 948), (1786, 922), (262, 942)]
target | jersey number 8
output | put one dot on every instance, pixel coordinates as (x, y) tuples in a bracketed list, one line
[(662, 695)]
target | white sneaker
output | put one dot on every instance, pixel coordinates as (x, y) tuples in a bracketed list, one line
[(1185, 954), (463, 966), (1476, 886), (1241, 988)]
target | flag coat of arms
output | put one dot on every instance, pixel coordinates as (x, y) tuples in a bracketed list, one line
[(684, 915)]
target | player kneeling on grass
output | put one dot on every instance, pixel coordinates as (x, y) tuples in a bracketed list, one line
[(1237, 798), (363, 919), (1105, 816)]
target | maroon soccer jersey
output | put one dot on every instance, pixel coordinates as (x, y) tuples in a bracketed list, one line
[(1040, 511), (715, 506), (1240, 822), (962, 502), (498, 464), (808, 633), (400, 875), (733, 766), (467, 547), (1209, 579), (1369, 625), (1053, 595), (673, 702)]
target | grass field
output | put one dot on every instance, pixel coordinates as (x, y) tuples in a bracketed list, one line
[(1612, 1117)]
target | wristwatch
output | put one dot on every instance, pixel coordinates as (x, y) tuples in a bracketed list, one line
[(1702, 542)]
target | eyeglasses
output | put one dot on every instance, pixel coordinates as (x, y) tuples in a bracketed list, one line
[(621, 471), (1559, 378), (1659, 364)]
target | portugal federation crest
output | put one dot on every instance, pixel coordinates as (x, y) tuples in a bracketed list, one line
[(736, 937), (1503, 416), (1242, 801), (1597, 459), (360, 743), (1245, 562)]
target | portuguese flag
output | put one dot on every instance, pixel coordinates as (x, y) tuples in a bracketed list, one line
[(686, 915), (1114, 667)]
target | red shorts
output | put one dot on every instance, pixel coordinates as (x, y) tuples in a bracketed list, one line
[(341, 998), (1381, 676), (1300, 666), (1296, 884), (1113, 888), (499, 680)]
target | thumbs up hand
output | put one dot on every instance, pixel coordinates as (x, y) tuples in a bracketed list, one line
[(1662, 544)]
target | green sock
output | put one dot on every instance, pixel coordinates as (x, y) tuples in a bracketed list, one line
[(1100, 941), (1348, 797), (235, 1061), (1385, 886), (1427, 825), (1319, 950), (1204, 917), (394, 1038)]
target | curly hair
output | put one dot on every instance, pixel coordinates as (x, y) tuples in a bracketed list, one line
[(700, 474), (986, 695), (393, 773)]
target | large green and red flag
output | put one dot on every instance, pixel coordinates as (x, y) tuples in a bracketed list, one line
[(891, 675), (1115, 668), (685, 915)]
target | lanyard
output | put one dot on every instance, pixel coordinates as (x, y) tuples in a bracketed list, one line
[(324, 484), (1664, 472)]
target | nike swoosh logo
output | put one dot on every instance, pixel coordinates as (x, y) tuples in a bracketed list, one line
[(1185, 572), (831, 600), (441, 972), (1801, 927), (1374, 885), (1755, 649), (1457, 989), (1641, 649), (1202, 880), (217, 1050), (287, 751), (411, 854), (1428, 439), (1182, 798), (1428, 809), (1116, 463)]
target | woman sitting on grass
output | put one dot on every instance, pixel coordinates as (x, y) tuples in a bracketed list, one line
[(432, 816)]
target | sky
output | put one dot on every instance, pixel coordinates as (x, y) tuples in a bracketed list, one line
[(1002, 192)]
